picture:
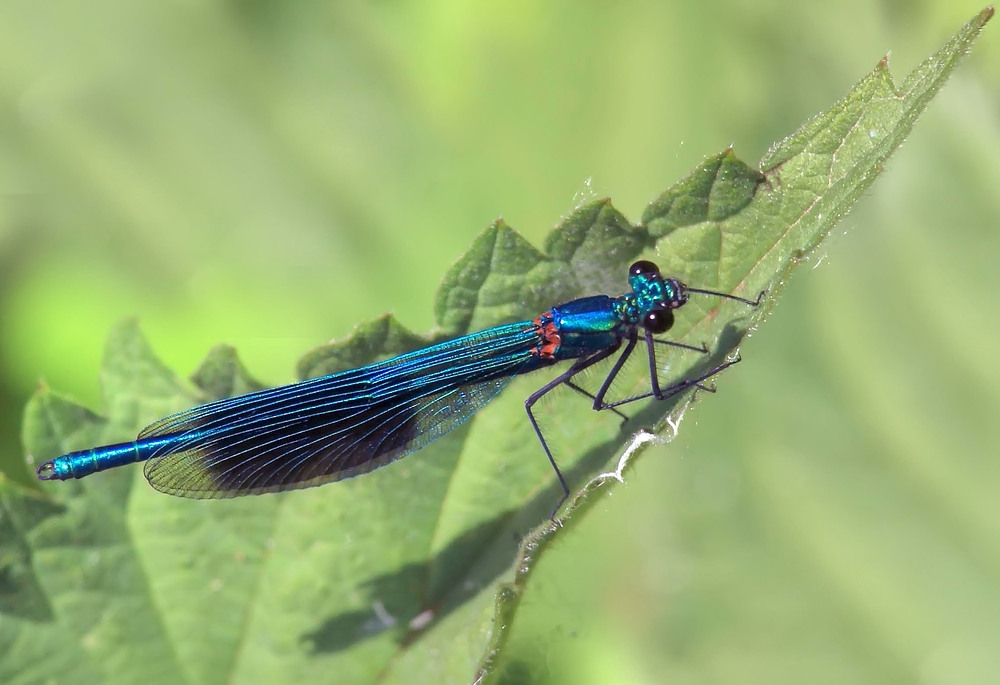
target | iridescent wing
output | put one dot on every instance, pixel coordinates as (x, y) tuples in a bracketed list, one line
[(335, 427)]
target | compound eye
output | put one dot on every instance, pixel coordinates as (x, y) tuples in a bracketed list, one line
[(643, 268), (658, 320)]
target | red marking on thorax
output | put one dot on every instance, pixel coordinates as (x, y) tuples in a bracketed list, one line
[(549, 339)]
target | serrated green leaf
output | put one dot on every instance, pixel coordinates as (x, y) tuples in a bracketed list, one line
[(394, 576), (717, 190), (809, 181), (223, 375), (380, 338)]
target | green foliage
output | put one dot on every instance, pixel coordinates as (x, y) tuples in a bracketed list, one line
[(810, 180), (132, 585)]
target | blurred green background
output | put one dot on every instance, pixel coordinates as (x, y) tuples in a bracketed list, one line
[(268, 174)]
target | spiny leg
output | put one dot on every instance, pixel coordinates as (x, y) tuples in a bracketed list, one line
[(599, 403), (586, 393), (703, 348), (654, 378), (680, 386), (577, 366)]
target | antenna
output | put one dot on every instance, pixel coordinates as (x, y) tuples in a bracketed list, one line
[(752, 303)]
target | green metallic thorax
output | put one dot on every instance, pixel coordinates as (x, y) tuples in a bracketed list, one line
[(647, 293)]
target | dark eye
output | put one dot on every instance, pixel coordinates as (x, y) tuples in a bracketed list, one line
[(643, 268), (658, 320)]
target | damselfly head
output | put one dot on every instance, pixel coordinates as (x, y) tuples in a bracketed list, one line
[(655, 295)]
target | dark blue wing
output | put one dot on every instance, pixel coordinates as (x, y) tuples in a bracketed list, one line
[(330, 428)]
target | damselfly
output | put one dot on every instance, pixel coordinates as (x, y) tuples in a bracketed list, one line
[(349, 423)]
